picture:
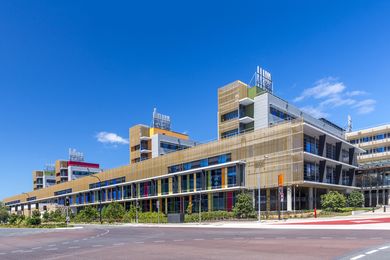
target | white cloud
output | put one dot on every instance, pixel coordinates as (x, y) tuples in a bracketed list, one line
[(365, 106), (356, 93), (110, 138), (329, 93), (323, 88), (314, 111)]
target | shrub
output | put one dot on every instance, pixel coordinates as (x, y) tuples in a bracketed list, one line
[(4, 215), (57, 216), (355, 199), (46, 216), (209, 216), (130, 216), (88, 214), (333, 201), (244, 206), (113, 212)]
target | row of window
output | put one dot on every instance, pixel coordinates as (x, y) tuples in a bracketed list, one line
[(280, 114), (378, 150), (107, 183), (311, 173), (229, 133), (370, 138), (173, 147), (200, 163), (311, 145), (229, 116), (62, 192)]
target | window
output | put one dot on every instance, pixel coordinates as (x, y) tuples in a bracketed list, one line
[(345, 156), (200, 163), (107, 183), (310, 144), (229, 133), (330, 176), (62, 192), (232, 177), (280, 115), (311, 171), (216, 179), (229, 116), (331, 151)]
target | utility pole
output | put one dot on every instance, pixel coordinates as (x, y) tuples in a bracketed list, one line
[(100, 198)]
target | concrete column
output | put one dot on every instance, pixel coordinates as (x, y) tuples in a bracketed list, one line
[(377, 197), (370, 198), (311, 199), (289, 200), (383, 197)]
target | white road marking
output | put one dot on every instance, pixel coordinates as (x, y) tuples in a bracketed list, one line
[(97, 245), (178, 240), (375, 238), (302, 238), (118, 244), (238, 238), (383, 247), (326, 238), (357, 257), (75, 241), (27, 251), (139, 242), (35, 248), (280, 237), (65, 243), (218, 238), (51, 245), (17, 251), (159, 241), (350, 238), (85, 239), (371, 252), (198, 239), (52, 249), (3, 253), (73, 247)]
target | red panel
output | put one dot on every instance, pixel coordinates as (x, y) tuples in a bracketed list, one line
[(83, 164), (229, 201)]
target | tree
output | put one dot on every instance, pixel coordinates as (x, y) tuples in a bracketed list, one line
[(46, 216), (333, 201), (4, 215), (244, 206), (113, 212), (355, 199), (88, 214), (57, 216)]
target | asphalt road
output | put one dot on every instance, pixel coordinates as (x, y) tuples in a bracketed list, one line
[(109, 242)]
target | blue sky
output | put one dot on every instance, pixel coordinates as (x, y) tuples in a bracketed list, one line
[(71, 70)]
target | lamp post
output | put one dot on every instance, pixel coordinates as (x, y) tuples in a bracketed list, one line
[(262, 162), (28, 204), (100, 198)]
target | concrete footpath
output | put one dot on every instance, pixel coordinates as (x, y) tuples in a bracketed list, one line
[(364, 221)]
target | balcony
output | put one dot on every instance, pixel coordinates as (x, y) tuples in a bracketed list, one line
[(246, 120), (246, 101)]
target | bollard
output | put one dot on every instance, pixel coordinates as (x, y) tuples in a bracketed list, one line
[(315, 212)]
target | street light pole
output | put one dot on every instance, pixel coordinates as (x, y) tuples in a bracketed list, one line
[(100, 198)]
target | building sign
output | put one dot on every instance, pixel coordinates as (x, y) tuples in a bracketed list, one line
[(161, 121), (264, 79), (75, 156)]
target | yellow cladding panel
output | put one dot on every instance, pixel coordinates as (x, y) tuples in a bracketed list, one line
[(154, 131)]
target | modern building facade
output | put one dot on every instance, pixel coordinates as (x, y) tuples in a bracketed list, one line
[(43, 179), (313, 158), (374, 174), (150, 142)]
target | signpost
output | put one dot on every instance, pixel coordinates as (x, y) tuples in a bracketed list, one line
[(281, 194)]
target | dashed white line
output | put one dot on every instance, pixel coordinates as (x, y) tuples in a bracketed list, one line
[(118, 244), (219, 238), (350, 238), (302, 238), (383, 247), (35, 248), (51, 245), (97, 245), (3, 253), (326, 238), (238, 238), (85, 239), (159, 241), (198, 239), (52, 249), (17, 251), (375, 238), (139, 242), (280, 237), (65, 243), (27, 251), (178, 240), (357, 257), (73, 247), (75, 241), (371, 252)]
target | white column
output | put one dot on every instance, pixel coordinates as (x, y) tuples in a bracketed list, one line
[(311, 199), (289, 200)]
